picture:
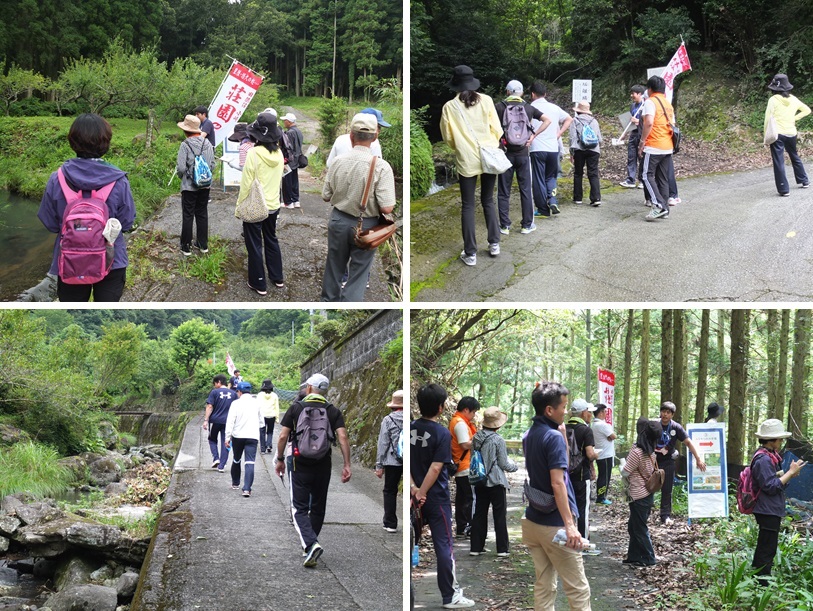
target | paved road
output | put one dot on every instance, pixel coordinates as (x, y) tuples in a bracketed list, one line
[(732, 239), (217, 550)]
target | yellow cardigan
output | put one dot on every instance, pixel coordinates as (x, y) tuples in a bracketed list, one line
[(456, 133), (786, 112), (266, 166)]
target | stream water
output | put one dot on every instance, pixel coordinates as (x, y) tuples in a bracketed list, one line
[(26, 246)]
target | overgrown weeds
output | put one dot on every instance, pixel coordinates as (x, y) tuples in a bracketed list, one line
[(32, 468)]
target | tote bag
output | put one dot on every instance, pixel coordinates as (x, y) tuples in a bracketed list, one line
[(493, 159), (252, 209), (771, 132)]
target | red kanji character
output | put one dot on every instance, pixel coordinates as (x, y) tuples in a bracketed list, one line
[(225, 112)]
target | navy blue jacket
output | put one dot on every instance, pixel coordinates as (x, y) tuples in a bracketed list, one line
[(771, 500)]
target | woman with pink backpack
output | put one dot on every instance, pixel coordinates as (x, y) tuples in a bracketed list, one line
[(88, 204), (769, 486)]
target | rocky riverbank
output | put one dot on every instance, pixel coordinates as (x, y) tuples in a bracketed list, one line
[(87, 552)]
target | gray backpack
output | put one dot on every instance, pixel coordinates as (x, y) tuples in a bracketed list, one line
[(314, 434), (516, 125)]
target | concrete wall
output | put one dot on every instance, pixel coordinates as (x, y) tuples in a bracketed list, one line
[(352, 353)]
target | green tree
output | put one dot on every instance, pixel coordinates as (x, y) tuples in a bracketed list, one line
[(117, 356), (16, 82), (192, 341)]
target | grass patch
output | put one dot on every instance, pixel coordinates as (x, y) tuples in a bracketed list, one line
[(436, 281), (210, 267), (142, 248), (32, 468)]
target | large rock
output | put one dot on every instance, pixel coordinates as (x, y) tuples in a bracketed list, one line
[(84, 598), (108, 434), (94, 536), (126, 586), (44, 568), (36, 513), (77, 465), (74, 571), (8, 577), (10, 503), (3, 545), (116, 489), (10, 435), (9, 525), (104, 471)]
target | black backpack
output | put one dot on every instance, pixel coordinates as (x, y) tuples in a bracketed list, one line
[(576, 455)]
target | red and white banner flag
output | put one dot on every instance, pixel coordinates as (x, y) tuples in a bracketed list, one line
[(229, 364), (679, 63), (233, 97), (606, 392)]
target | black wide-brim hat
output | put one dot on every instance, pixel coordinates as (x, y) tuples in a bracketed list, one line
[(239, 132), (463, 79), (780, 82), (265, 129)]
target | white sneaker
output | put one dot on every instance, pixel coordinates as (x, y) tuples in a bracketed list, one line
[(459, 601), (296, 205), (494, 249), (503, 554), (595, 204), (505, 230), (673, 201), (656, 213), (527, 230), (469, 260)]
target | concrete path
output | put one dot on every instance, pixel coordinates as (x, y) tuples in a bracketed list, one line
[(732, 239), (217, 550)]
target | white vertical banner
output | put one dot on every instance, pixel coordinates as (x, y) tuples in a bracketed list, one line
[(606, 392), (582, 90), (233, 97), (708, 490), (229, 364), (679, 63)]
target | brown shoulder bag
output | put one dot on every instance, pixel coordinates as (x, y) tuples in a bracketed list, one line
[(375, 236), (655, 481)]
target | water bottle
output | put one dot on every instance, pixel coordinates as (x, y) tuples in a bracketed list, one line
[(561, 539), (415, 555)]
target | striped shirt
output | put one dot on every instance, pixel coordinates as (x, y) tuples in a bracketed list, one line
[(640, 468)]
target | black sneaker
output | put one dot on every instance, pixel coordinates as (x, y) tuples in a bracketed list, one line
[(186, 250), (201, 249), (313, 555)]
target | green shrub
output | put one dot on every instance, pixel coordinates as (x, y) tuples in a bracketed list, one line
[(421, 165), (210, 267), (332, 114), (33, 468)]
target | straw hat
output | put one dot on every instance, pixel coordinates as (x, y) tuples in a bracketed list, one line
[(493, 418), (397, 400), (190, 124), (772, 429), (583, 107)]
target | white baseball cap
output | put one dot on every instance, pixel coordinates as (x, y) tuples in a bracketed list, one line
[(580, 405), (317, 380)]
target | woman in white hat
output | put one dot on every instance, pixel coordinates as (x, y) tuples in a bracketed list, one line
[(492, 491), (585, 151), (194, 200), (770, 487)]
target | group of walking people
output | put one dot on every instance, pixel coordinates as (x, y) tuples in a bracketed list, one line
[(529, 134), (89, 204)]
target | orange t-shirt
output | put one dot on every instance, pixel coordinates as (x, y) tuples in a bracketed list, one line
[(457, 451), (660, 136)]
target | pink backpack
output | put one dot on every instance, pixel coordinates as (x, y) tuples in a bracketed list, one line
[(746, 495), (84, 257)]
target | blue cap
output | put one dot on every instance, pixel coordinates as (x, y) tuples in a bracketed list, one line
[(243, 386), (378, 116)]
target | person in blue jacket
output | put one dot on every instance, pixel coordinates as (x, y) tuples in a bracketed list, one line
[(770, 483), (89, 137)]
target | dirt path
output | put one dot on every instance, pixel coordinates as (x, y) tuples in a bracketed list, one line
[(303, 240), (507, 583)]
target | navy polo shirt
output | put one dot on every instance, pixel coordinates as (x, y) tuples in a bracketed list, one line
[(546, 449), (220, 399), (430, 443)]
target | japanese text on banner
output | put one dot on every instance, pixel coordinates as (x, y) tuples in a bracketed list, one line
[(233, 97)]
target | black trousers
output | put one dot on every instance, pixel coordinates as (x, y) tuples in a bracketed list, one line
[(263, 250), (290, 187), (668, 466), (767, 543), (580, 159), (110, 288), (468, 185), (267, 434), (778, 148), (462, 504), (483, 497), (580, 489), (308, 500), (656, 171), (392, 476), (195, 207), (640, 545), (632, 155), (522, 165), (605, 469)]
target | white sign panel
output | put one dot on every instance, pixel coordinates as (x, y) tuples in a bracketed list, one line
[(708, 490), (654, 72), (233, 97), (231, 151), (582, 90)]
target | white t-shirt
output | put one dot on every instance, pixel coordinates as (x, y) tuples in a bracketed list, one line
[(601, 432), (343, 145), (546, 141), (461, 433)]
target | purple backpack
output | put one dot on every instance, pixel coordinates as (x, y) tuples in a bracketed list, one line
[(84, 257)]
